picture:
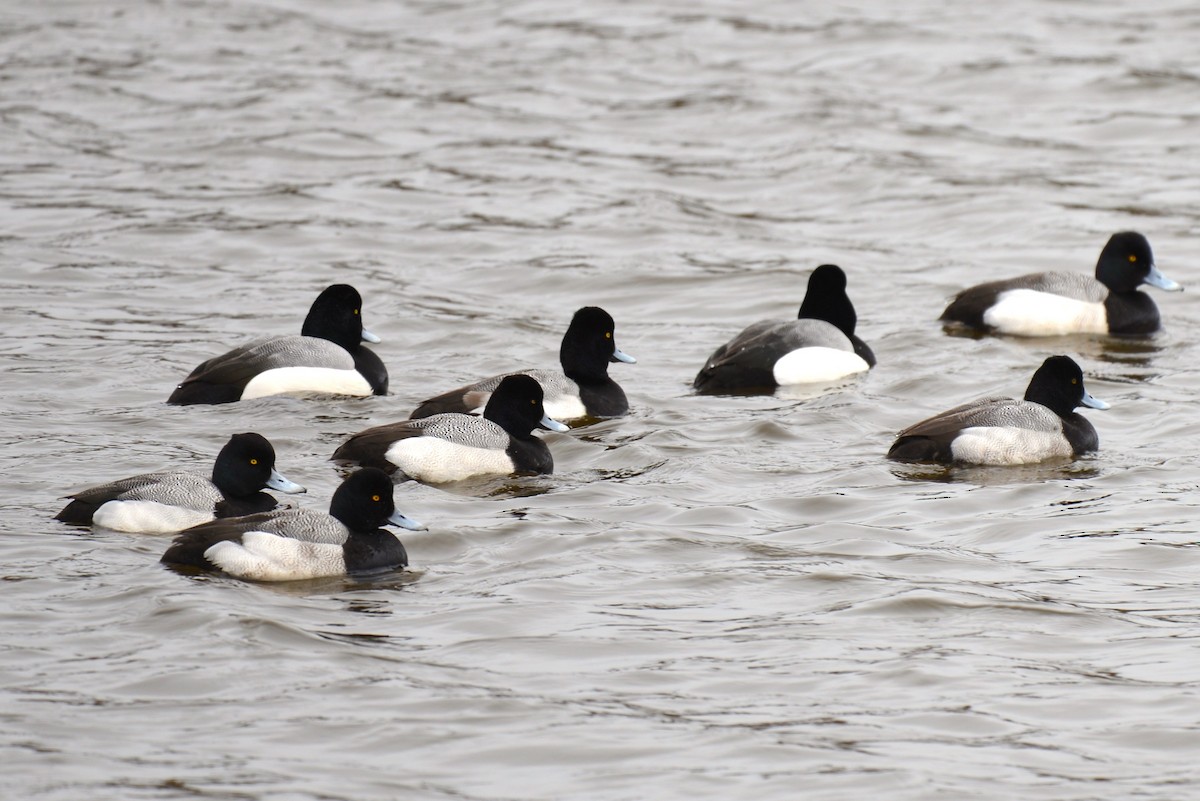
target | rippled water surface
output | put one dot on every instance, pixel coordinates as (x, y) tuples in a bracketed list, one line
[(714, 597)]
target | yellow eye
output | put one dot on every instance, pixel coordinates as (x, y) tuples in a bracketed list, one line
[(356, 312), (608, 334), (1132, 258), (253, 461), (1074, 381), (533, 403), (375, 498)]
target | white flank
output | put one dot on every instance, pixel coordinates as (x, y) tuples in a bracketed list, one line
[(148, 517), (267, 557), (565, 407), (1004, 445), (810, 365), (437, 461), (1027, 312), (306, 379)]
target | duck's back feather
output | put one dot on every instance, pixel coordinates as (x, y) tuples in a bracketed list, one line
[(972, 304), (185, 490), (229, 373), (370, 447), (303, 524), (470, 397), (933, 439), (748, 360)]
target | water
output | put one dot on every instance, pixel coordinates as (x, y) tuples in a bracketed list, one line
[(711, 598)]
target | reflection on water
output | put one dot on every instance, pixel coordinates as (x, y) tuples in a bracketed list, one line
[(802, 392), (1131, 350), (1113, 359), (987, 476)]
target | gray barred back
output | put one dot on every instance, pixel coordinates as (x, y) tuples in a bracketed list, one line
[(991, 411), (462, 429), (1070, 285), (186, 490), (554, 384), (306, 525), (293, 351), (788, 335)]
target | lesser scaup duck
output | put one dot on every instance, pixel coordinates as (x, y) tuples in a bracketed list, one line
[(454, 446), (1005, 431), (156, 503), (326, 357), (582, 389), (292, 544), (1052, 304), (820, 345)]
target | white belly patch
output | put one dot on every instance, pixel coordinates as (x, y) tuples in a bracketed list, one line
[(148, 517), (557, 408), (1030, 313), (810, 365), (437, 461), (268, 557), (1003, 445), (306, 379), (564, 408)]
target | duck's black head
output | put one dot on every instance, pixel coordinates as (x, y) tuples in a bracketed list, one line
[(826, 299)]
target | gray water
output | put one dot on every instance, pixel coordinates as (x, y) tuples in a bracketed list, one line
[(714, 597)]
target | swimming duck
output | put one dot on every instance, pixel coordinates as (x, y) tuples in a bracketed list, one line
[(326, 357), (1005, 431), (291, 544), (453, 446), (820, 345), (582, 388), (1057, 303), (156, 503)]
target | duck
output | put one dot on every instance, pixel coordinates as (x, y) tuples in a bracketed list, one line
[(326, 357), (294, 544), (165, 502), (453, 446), (1059, 303), (582, 389), (1005, 431), (818, 346)]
